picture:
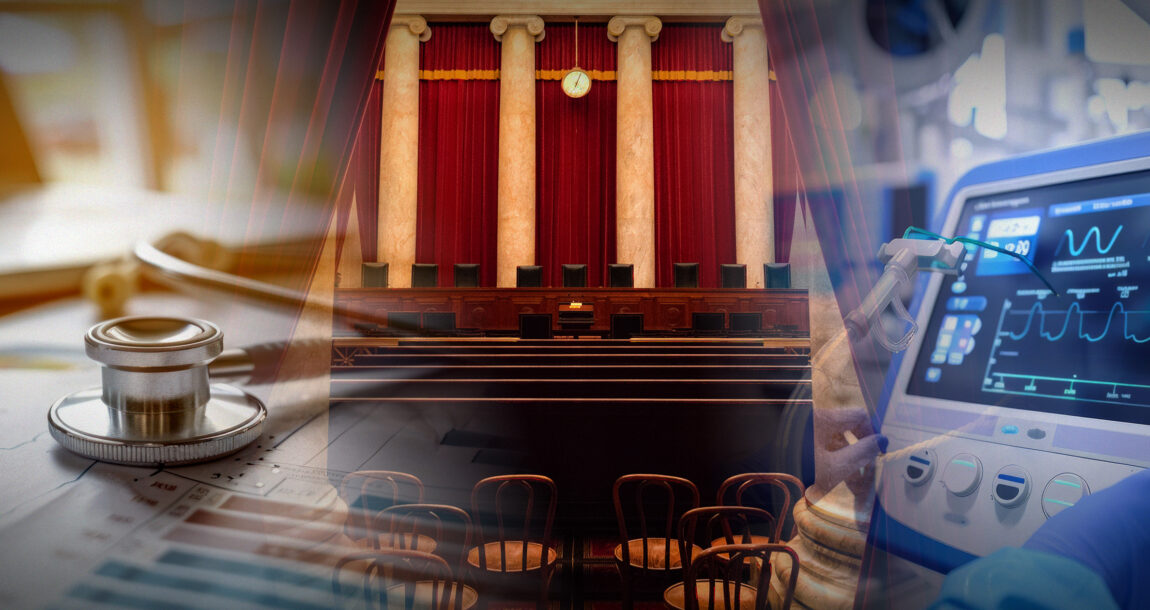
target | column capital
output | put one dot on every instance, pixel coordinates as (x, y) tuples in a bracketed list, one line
[(501, 23), (735, 26), (651, 25), (415, 24)]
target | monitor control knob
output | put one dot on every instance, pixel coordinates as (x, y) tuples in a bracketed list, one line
[(919, 466), (1011, 486), (1062, 492), (962, 474)]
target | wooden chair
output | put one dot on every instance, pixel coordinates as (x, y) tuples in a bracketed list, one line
[(520, 547), (432, 528), (396, 579), (715, 577), (725, 525), (375, 490), (656, 549), (733, 492)]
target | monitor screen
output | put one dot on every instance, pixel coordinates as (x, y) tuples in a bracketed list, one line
[(997, 336)]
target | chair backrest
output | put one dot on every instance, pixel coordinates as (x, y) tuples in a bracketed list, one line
[(439, 321), (686, 275), (722, 568), (367, 492), (620, 276), (649, 506), (726, 524), (626, 325), (514, 508), (466, 275), (403, 526), (733, 276), (746, 322), (395, 578), (403, 322), (575, 276), (707, 321), (535, 326), (529, 276), (424, 275), (373, 275), (746, 490), (777, 275)]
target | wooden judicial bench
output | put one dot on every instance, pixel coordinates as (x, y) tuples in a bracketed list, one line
[(498, 309)]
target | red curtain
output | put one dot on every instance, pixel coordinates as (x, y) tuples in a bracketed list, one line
[(362, 178), (694, 151), (575, 155), (785, 177), (458, 150)]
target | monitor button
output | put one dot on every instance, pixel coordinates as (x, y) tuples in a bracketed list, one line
[(962, 475), (919, 466), (1011, 486), (1062, 492), (1036, 433)]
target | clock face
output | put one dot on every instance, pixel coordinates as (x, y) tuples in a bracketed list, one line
[(576, 83)]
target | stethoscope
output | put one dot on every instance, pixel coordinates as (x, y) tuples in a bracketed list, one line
[(157, 405)]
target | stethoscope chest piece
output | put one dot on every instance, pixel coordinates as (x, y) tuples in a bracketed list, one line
[(156, 406)]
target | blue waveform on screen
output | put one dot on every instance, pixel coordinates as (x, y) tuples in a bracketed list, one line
[(1117, 308), (1068, 238)]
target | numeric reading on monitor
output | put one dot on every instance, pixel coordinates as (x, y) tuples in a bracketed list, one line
[(997, 336)]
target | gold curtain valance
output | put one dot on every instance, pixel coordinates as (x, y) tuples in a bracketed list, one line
[(600, 75)]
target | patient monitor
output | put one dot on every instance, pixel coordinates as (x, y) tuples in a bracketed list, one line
[(1012, 402)]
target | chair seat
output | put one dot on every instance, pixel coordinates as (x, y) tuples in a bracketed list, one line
[(656, 551), (514, 556), (468, 598), (675, 598), (423, 543)]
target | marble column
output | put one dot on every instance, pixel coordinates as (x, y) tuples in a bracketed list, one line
[(754, 206), (516, 232), (635, 146), (399, 146), (833, 516)]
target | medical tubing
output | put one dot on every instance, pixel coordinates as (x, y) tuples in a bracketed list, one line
[(981, 244)]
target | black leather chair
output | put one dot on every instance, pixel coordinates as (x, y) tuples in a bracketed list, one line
[(529, 276), (707, 322), (626, 325), (777, 275), (745, 322), (686, 275), (373, 275), (535, 326), (466, 275), (403, 322), (424, 275), (620, 276), (439, 322), (733, 276), (575, 276)]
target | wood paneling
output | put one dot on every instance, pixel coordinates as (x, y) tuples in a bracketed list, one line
[(499, 308)]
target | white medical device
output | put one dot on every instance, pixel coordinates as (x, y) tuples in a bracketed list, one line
[(1012, 403)]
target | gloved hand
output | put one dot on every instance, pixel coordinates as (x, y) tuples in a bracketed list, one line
[(1108, 532), (837, 459)]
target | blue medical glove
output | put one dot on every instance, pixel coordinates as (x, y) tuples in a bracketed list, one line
[(1108, 532)]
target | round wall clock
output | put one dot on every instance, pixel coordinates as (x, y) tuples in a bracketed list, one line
[(576, 83)]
